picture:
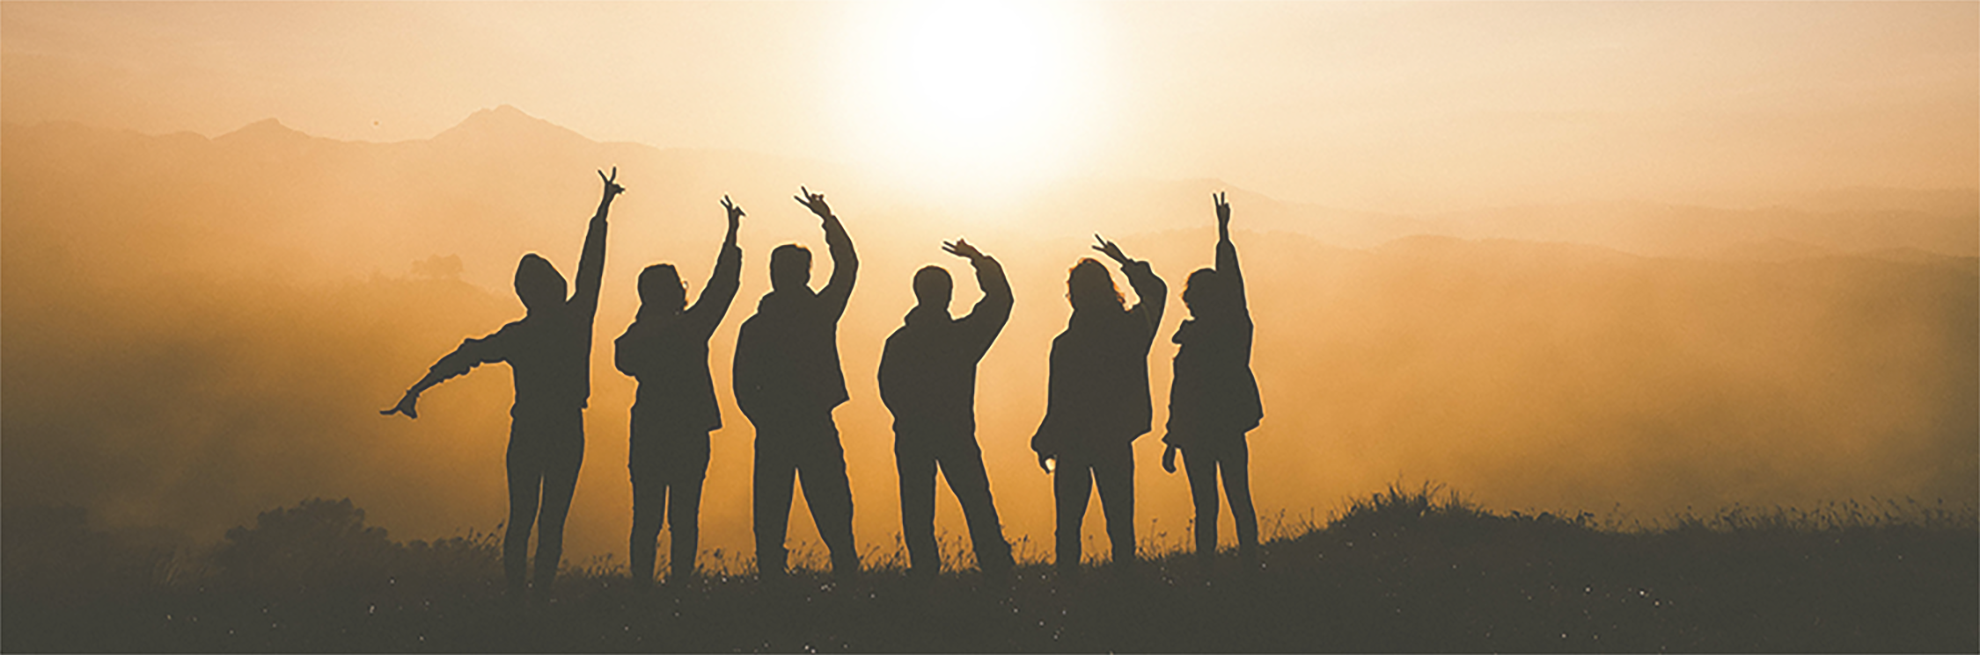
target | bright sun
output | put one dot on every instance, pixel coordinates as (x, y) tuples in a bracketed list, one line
[(977, 90)]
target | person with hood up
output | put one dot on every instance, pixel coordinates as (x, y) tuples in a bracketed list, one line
[(550, 351)]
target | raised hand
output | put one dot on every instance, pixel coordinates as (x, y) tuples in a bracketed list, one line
[(735, 212), (961, 248), (814, 202), (612, 187), (1111, 251), (408, 405), (1223, 209), (1047, 462)]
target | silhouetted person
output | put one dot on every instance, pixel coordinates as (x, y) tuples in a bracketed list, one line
[(1097, 401), (1214, 398), (666, 349), (550, 352), (928, 380), (787, 380)]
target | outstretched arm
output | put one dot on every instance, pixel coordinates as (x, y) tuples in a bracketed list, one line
[(720, 291), (591, 264), (471, 353), (845, 263), (994, 310), (1227, 259), (1152, 294)]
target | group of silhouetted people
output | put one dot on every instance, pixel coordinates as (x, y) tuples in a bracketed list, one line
[(787, 380)]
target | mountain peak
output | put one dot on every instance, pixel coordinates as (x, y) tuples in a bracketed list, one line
[(266, 130), (506, 122)]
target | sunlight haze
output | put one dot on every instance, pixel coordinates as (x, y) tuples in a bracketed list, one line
[(1385, 106), (1628, 257)]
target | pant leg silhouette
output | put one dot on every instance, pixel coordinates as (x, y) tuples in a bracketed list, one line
[(916, 466), (1203, 462), (667, 475), (649, 512), (1111, 468), (684, 510), (962, 465), (1113, 473), (810, 452), (544, 455), (771, 481)]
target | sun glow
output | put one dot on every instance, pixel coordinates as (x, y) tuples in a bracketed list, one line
[(984, 92)]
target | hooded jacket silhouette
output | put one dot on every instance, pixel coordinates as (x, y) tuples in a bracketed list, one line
[(549, 350)]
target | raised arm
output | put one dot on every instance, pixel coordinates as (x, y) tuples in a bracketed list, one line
[(845, 262), (1227, 259), (994, 310), (591, 264), (720, 292), (471, 353), (1152, 294)]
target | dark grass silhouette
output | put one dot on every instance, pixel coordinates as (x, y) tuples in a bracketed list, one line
[(1403, 570)]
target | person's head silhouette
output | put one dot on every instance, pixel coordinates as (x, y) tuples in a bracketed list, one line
[(933, 288), (538, 283), (1090, 286), (1206, 292), (661, 288), (790, 267)]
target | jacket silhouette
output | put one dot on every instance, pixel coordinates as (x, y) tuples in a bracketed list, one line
[(787, 380), (1097, 401), (666, 349), (550, 353), (1213, 400), (928, 382)]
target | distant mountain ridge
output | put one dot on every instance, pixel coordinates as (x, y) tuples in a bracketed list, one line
[(1846, 222)]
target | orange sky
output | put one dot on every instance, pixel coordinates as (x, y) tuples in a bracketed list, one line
[(1400, 107)]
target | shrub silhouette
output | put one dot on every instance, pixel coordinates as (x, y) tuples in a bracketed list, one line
[(316, 545), (322, 545)]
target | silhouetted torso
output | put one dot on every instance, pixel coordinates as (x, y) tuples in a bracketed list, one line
[(787, 357), (550, 353), (928, 368), (787, 354), (668, 354), (1214, 395), (1098, 389)]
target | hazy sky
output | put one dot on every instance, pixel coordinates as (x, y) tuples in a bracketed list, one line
[(1405, 106)]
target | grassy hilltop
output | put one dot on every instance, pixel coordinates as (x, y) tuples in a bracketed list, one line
[(1402, 570)]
